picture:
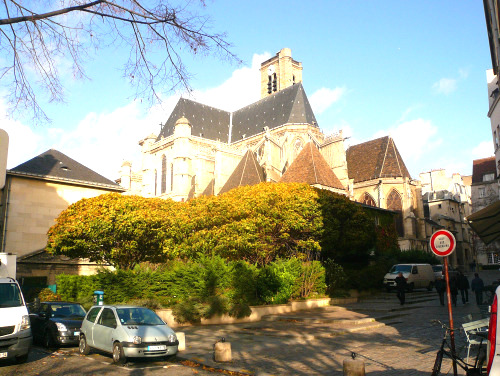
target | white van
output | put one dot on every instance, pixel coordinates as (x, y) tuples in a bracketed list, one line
[(15, 327), (417, 276)]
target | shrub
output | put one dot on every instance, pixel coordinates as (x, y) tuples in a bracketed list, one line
[(47, 295), (335, 277), (278, 282)]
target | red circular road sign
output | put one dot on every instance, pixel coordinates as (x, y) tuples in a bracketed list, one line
[(442, 243)]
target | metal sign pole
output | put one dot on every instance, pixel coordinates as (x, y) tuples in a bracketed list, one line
[(450, 314)]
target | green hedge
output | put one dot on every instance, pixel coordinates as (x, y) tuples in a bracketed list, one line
[(200, 289)]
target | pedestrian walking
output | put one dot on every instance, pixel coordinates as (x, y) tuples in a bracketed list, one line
[(440, 288), (463, 286), (477, 285), (453, 289), (401, 287)]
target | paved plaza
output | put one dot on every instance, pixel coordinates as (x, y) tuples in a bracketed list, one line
[(391, 339)]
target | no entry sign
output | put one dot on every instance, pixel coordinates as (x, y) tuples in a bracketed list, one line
[(442, 243)]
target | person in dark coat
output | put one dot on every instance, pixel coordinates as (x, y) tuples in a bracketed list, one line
[(440, 288), (454, 290), (401, 287), (463, 286), (477, 285)]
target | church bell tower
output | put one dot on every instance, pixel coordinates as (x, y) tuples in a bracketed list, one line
[(279, 72)]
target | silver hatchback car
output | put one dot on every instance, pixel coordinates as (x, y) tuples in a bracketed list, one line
[(126, 331)]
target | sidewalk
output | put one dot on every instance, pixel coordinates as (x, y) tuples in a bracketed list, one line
[(391, 339)]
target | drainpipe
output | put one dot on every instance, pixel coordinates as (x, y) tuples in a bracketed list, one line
[(6, 198)]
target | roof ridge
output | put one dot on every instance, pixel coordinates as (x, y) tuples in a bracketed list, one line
[(314, 164), (383, 161), (396, 154)]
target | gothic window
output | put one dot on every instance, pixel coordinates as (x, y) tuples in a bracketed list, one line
[(394, 203), (368, 200), (171, 176), (269, 85), (297, 147), (275, 82), (163, 173)]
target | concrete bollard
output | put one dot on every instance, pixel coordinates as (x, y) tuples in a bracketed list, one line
[(181, 337), (222, 352), (354, 367)]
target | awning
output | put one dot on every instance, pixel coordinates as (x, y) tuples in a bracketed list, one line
[(486, 222)]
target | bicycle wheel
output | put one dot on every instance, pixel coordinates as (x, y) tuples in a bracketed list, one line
[(437, 364)]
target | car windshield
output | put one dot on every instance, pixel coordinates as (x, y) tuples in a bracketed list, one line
[(138, 316), (67, 311), (10, 296), (400, 269)]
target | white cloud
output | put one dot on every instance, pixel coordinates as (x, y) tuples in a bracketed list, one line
[(241, 89), (445, 86), (323, 98), (483, 150)]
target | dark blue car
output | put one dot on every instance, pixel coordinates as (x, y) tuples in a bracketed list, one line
[(57, 323)]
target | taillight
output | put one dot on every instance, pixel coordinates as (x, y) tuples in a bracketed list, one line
[(492, 333)]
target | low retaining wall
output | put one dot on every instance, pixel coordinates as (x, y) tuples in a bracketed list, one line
[(258, 312)]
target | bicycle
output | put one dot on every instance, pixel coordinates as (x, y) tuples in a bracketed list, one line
[(475, 369)]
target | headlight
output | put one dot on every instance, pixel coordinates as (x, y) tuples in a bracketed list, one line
[(61, 327), (137, 340), (172, 338), (25, 323)]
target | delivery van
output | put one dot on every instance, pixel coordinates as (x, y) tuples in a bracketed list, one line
[(15, 327), (417, 276)]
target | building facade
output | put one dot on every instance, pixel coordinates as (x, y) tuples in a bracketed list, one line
[(35, 193), (205, 150)]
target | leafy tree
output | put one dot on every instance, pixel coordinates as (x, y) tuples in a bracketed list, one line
[(36, 36), (256, 223), (116, 229), (348, 232)]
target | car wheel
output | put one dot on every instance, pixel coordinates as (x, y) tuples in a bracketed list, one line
[(118, 354), (48, 341), (83, 346), (430, 287), (22, 359)]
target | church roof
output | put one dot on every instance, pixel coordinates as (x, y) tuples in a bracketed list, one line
[(375, 159), (57, 166), (286, 106), (248, 172), (310, 167), (208, 122)]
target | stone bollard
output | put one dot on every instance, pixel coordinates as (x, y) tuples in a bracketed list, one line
[(222, 351), (354, 367), (181, 337)]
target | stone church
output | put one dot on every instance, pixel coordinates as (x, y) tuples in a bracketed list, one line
[(202, 150)]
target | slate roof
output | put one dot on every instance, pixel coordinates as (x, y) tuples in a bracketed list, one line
[(248, 172), (310, 167), (210, 122), (57, 166), (375, 159), (286, 106), (481, 167)]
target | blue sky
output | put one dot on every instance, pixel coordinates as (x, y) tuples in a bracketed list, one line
[(412, 70)]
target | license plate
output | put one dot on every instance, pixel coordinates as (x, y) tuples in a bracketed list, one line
[(157, 348), (3, 355), (76, 334)]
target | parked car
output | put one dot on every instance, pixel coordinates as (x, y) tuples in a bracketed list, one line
[(15, 330), (439, 271), (417, 276), (127, 331), (57, 323)]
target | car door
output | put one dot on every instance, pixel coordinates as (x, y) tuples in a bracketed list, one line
[(88, 324), (104, 329), (417, 279)]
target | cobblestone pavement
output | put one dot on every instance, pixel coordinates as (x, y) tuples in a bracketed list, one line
[(391, 339)]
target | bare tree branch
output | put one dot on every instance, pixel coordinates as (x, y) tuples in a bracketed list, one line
[(37, 40)]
